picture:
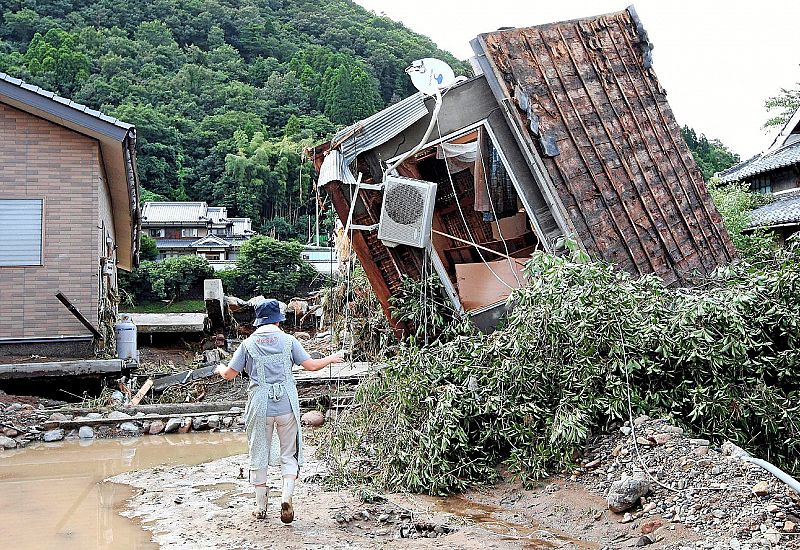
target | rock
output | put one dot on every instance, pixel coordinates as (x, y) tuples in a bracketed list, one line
[(235, 410), (10, 432), (641, 420), (789, 526), (650, 526), (58, 417), (213, 421), (186, 426), (94, 416), (700, 442), (719, 514), (240, 420), (772, 508), (700, 451), (172, 425), (53, 435), (156, 427), (313, 419), (199, 423), (129, 427), (644, 541), (146, 427), (627, 518), (227, 421), (118, 415), (7, 442), (626, 493), (735, 544), (643, 441), (662, 438), (648, 507), (302, 335), (139, 415), (86, 432), (716, 470), (14, 407), (761, 488), (626, 430), (772, 536)]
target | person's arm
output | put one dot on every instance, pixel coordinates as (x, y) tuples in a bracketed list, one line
[(318, 364), (236, 364), (226, 372)]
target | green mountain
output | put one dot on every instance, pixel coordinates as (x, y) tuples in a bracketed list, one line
[(224, 93)]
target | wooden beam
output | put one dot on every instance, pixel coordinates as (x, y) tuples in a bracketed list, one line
[(142, 392), (61, 368)]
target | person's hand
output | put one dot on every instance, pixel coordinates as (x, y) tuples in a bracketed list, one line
[(336, 358)]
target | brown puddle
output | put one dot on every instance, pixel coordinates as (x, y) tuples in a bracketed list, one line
[(52, 495), (531, 535)]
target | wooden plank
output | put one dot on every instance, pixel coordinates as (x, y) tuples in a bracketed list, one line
[(182, 378), (142, 392), (81, 367), (153, 323)]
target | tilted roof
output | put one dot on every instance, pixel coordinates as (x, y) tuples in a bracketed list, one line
[(117, 141), (785, 210), (763, 163), (176, 212)]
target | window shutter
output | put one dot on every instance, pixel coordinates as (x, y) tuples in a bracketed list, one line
[(20, 232)]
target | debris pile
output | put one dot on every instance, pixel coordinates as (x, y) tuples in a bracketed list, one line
[(388, 520), (655, 476)]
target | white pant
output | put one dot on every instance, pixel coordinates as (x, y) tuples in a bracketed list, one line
[(286, 426)]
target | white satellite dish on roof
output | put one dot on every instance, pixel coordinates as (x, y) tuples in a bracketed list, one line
[(429, 75)]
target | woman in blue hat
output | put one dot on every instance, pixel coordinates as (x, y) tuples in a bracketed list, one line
[(267, 356)]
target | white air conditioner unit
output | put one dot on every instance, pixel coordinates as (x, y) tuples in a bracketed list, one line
[(407, 212)]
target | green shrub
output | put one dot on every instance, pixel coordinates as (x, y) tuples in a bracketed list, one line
[(734, 202), (172, 279), (722, 360), (272, 268)]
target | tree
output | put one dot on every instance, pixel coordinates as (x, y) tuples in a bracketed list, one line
[(711, 155), (783, 105), (147, 248), (273, 268), (56, 62)]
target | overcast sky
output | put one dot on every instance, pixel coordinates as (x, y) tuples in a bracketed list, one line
[(718, 60)]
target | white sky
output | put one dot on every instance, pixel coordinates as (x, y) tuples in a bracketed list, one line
[(718, 60)]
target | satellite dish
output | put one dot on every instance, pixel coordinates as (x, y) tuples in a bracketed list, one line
[(430, 75)]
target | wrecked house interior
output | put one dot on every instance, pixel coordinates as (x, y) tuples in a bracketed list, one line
[(564, 132)]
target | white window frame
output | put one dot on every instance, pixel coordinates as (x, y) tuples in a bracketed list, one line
[(15, 235)]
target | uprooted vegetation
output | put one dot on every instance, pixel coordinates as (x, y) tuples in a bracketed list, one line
[(720, 359)]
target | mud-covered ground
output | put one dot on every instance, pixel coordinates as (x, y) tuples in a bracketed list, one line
[(210, 506)]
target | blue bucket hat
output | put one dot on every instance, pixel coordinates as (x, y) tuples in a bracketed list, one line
[(268, 312)]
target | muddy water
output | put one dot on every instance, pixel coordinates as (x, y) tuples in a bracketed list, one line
[(494, 519), (52, 494)]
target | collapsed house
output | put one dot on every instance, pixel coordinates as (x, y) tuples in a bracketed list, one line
[(564, 132)]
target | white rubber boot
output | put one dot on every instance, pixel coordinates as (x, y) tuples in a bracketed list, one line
[(261, 502), (287, 511)]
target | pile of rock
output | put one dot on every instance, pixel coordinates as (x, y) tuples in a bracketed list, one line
[(20, 424), (655, 476), (387, 520)]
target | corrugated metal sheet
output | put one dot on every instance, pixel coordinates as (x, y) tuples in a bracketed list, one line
[(762, 163), (597, 116), (334, 168), (176, 212), (380, 127), (20, 232)]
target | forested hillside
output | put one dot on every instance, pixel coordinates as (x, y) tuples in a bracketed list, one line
[(224, 93)]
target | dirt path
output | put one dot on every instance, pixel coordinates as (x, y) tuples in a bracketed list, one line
[(210, 506)]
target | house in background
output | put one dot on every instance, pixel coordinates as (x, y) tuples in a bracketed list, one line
[(69, 218), (195, 229), (776, 171)]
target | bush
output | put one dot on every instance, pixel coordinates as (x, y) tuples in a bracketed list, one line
[(723, 361), (734, 202), (272, 268), (148, 250), (172, 279)]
